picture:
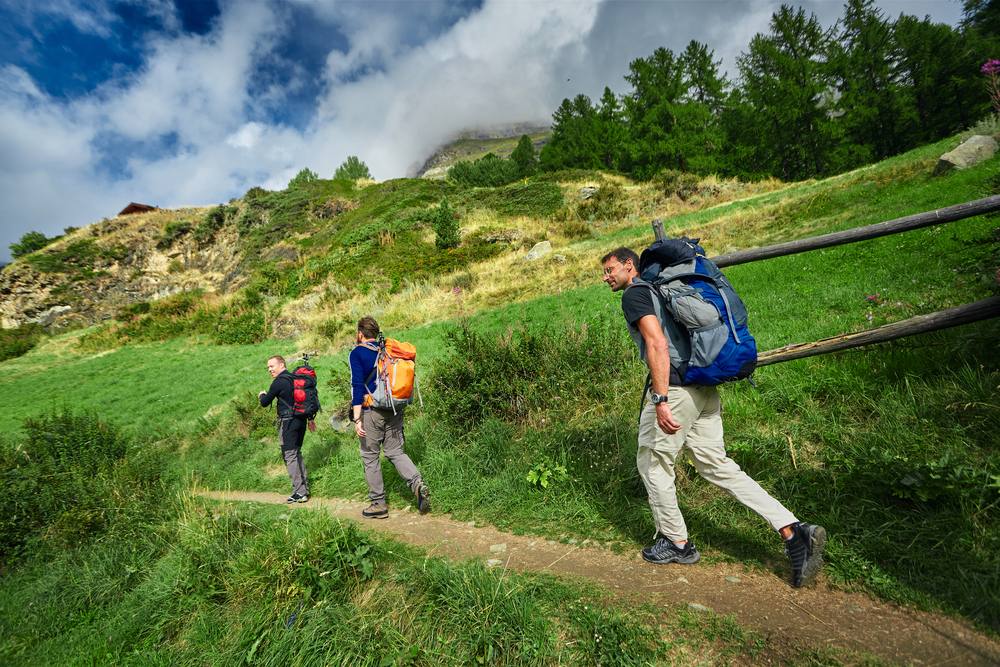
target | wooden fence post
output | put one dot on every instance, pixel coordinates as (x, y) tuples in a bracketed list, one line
[(658, 229)]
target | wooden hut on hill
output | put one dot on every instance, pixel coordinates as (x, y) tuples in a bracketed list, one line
[(134, 208)]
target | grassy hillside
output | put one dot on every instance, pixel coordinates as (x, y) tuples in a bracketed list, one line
[(526, 367)]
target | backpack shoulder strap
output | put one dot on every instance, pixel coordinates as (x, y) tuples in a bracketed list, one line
[(374, 348)]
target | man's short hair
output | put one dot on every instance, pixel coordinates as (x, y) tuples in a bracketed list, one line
[(622, 254), (280, 360), (368, 327)]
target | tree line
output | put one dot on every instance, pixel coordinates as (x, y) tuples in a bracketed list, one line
[(806, 101)]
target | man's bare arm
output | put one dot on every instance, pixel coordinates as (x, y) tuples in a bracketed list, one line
[(658, 358)]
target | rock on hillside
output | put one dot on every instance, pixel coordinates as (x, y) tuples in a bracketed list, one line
[(89, 275)]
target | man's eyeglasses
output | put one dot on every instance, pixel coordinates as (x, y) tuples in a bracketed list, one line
[(607, 269)]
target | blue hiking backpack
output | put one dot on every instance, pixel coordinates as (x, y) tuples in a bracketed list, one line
[(711, 316)]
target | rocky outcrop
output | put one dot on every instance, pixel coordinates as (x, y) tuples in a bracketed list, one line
[(974, 150), (127, 267)]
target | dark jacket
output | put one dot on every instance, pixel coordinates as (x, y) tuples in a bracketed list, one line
[(283, 390)]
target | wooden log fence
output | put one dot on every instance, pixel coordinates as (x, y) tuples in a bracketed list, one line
[(917, 221), (944, 319)]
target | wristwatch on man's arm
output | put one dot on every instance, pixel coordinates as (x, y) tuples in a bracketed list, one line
[(657, 398)]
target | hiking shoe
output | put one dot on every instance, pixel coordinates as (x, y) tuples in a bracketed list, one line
[(296, 498), (423, 498), (374, 511), (805, 549), (665, 551)]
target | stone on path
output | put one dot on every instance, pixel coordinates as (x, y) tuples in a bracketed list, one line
[(733, 580), (493, 562), (498, 548), (694, 606)]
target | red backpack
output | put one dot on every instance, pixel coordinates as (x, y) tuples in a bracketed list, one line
[(304, 390)]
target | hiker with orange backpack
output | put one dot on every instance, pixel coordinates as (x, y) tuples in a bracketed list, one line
[(382, 381)]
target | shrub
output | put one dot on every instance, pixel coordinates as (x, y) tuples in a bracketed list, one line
[(489, 171), (70, 479), (255, 192), (303, 177), (28, 244), (352, 169), (19, 340), (172, 232), (445, 226), (683, 184), (607, 203), (535, 199), (214, 220)]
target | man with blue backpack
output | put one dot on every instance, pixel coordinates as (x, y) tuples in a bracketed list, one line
[(690, 328)]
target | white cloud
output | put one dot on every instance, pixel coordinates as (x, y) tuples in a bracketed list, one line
[(408, 76)]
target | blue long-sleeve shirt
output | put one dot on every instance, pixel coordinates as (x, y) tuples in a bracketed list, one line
[(362, 361)]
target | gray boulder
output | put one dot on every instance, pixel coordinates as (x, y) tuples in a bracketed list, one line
[(974, 150), (539, 250), (50, 315)]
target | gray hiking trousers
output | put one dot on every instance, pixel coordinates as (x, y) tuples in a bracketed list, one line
[(385, 430), (291, 433)]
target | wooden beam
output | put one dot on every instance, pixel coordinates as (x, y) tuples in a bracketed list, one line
[(953, 317), (917, 221), (659, 232)]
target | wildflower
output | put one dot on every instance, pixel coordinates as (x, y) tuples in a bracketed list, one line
[(543, 420)]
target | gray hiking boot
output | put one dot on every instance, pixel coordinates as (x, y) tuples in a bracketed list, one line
[(805, 549), (665, 551), (423, 498)]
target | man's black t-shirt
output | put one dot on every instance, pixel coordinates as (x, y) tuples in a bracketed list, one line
[(637, 302)]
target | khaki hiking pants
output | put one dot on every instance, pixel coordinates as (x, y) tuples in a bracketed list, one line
[(699, 412)]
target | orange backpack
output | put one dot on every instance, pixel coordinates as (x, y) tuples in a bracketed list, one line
[(395, 368)]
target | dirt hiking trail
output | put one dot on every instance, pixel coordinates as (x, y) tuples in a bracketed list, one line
[(790, 619)]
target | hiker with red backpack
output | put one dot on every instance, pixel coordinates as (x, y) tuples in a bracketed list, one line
[(297, 405), (382, 381), (691, 330)]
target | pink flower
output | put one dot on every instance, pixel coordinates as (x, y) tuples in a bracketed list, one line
[(991, 66)]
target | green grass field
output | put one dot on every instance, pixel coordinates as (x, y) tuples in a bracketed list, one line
[(893, 448)]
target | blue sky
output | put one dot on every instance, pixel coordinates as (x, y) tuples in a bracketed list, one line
[(191, 102)]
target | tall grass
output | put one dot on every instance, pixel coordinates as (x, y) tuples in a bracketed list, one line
[(230, 584)]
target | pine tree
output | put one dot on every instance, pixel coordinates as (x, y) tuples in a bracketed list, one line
[(865, 62), (786, 80), (574, 143), (352, 169), (524, 157)]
